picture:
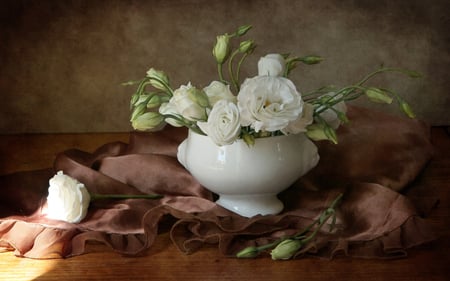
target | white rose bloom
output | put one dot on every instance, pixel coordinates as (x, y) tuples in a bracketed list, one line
[(185, 106), (269, 103), (271, 65), (170, 109), (219, 91), (330, 116), (67, 199), (299, 125), (223, 125)]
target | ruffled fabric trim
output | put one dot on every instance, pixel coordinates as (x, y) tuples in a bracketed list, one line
[(374, 220)]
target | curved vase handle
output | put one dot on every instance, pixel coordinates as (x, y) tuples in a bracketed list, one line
[(181, 153)]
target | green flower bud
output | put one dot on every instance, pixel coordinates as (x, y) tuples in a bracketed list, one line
[(147, 121), (246, 46), (377, 95), (311, 59), (318, 132), (138, 111), (198, 96), (286, 249), (406, 108), (158, 79), (249, 252), (221, 49), (342, 116), (242, 30), (134, 99), (141, 99), (248, 139), (154, 101)]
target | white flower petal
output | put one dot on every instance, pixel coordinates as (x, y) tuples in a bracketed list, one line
[(67, 199), (269, 103)]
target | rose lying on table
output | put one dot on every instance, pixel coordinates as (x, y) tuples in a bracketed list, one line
[(68, 199)]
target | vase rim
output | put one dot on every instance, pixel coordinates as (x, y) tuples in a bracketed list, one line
[(259, 138)]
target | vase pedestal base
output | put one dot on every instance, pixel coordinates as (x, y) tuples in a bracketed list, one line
[(251, 205)]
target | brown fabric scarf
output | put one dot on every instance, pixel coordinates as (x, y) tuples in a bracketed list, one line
[(377, 156)]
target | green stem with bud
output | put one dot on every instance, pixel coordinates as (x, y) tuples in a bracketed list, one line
[(330, 212), (346, 94), (234, 80), (355, 91), (185, 123), (169, 90), (409, 73), (142, 84)]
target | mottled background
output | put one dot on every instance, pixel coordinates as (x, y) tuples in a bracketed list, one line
[(62, 62)]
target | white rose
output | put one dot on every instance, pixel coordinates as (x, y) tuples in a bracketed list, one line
[(269, 103), (170, 109), (223, 125), (67, 199), (185, 105), (219, 91), (299, 125), (271, 65), (330, 115)]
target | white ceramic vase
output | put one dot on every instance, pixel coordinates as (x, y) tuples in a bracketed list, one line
[(248, 178)]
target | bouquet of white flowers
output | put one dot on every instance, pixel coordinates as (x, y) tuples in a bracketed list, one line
[(268, 104)]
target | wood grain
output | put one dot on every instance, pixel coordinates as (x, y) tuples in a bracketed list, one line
[(164, 262)]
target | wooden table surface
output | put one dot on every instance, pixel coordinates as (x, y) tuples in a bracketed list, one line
[(165, 262)]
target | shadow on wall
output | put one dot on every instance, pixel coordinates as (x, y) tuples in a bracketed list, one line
[(62, 62)]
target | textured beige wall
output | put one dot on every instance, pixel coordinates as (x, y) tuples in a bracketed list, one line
[(62, 62)]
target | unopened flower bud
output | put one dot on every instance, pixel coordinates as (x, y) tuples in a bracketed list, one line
[(242, 30), (249, 252), (331, 134), (406, 108), (147, 121), (318, 132), (221, 49), (248, 139), (342, 116), (138, 111), (198, 96), (141, 99), (311, 59), (154, 101), (377, 95), (134, 99), (246, 46), (158, 79), (286, 249)]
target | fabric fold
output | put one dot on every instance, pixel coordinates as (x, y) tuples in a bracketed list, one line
[(378, 155)]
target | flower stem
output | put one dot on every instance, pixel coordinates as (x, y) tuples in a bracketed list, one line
[(166, 86), (330, 212), (389, 69), (230, 70), (220, 72), (238, 70)]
